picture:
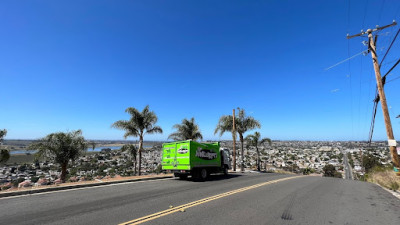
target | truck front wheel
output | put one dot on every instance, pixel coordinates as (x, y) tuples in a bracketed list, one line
[(225, 170)]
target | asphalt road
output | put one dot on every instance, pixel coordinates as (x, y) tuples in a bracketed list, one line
[(348, 173), (303, 200)]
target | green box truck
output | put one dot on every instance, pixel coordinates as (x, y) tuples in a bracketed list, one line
[(184, 158)]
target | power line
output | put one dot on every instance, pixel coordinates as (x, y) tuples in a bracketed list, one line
[(371, 129), (365, 51), (393, 79), (387, 73), (365, 13), (376, 100), (361, 72), (387, 51), (349, 74), (380, 13)]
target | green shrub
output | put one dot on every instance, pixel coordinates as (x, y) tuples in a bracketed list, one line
[(34, 179), (6, 187), (394, 186), (17, 181)]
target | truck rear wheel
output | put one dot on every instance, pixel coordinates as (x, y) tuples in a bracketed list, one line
[(203, 174)]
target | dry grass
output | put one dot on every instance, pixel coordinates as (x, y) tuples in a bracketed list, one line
[(386, 178)]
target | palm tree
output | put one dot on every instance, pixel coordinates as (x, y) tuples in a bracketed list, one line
[(60, 147), (254, 140), (188, 129), (225, 124), (243, 123), (3, 133), (4, 153), (140, 123), (132, 151)]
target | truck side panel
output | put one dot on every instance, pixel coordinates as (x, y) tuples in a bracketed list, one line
[(183, 155), (205, 155)]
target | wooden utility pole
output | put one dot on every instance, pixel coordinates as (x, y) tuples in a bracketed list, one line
[(234, 140), (389, 130)]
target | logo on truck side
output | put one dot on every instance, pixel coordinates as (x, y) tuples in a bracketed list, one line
[(183, 150), (205, 154)]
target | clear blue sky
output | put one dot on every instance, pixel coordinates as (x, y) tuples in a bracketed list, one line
[(79, 64)]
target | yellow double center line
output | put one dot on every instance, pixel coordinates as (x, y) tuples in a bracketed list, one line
[(199, 202)]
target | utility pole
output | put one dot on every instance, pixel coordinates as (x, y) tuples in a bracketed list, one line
[(388, 124), (362, 162), (234, 140)]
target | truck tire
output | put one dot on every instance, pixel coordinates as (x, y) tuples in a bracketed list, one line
[(225, 170), (203, 174)]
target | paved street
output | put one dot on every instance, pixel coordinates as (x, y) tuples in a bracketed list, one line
[(348, 173), (304, 200)]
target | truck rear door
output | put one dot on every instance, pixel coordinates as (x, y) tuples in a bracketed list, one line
[(169, 160)]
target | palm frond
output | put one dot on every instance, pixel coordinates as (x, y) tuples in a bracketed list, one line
[(187, 129), (62, 147), (245, 123), (225, 124), (266, 140), (131, 149), (154, 130), (140, 122), (176, 136)]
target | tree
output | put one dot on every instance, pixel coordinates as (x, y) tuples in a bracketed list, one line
[(138, 125), (330, 171), (243, 123), (132, 151), (188, 129), (60, 147), (370, 161), (306, 171), (3, 133), (4, 153), (225, 124), (254, 140)]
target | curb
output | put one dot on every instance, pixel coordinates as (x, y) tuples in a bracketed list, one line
[(51, 189), (394, 193)]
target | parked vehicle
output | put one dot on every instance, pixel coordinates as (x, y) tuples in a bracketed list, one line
[(184, 158)]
